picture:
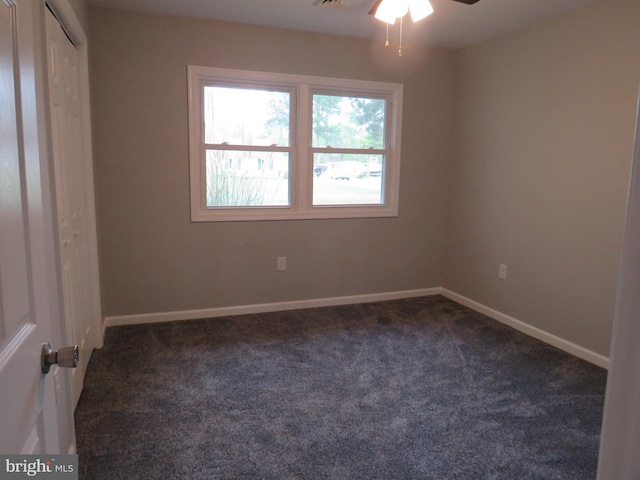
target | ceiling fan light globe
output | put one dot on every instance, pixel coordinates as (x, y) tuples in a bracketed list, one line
[(393, 8), (401, 7), (420, 9), (386, 12)]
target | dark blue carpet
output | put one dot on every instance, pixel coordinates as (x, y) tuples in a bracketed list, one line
[(420, 388)]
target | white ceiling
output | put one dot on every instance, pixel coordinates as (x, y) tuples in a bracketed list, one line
[(452, 24)]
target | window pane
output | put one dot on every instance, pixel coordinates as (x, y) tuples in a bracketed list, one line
[(340, 179), (348, 122), (241, 116), (244, 179)]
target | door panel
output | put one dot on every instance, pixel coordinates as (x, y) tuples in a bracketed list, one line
[(13, 255), (70, 180), (24, 308)]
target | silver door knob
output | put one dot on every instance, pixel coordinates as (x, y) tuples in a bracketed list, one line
[(66, 357)]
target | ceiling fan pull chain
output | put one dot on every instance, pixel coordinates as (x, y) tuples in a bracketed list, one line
[(400, 49), (386, 42)]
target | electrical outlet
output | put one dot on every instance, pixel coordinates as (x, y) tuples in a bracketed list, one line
[(502, 271), (281, 263)]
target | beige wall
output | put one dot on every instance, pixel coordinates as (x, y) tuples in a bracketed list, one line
[(153, 259), (544, 136)]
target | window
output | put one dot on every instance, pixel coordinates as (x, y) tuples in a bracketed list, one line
[(267, 146)]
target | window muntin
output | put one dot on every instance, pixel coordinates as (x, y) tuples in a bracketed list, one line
[(257, 140)]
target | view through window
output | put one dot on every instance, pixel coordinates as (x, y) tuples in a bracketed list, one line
[(348, 150), (247, 133)]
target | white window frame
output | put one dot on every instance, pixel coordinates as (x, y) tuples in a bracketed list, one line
[(301, 152)]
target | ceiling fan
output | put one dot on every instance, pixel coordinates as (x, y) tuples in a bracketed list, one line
[(388, 11), (374, 9)]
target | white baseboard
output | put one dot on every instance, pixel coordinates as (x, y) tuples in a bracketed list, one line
[(264, 307), (523, 327), (532, 331)]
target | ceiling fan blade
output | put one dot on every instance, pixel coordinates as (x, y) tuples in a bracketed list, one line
[(467, 2), (375, 7)]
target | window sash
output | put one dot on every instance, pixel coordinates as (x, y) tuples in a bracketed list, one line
[(291, 92), (247, 181)]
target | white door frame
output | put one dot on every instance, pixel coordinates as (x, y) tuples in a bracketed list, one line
[(72, 27), (620, 439)]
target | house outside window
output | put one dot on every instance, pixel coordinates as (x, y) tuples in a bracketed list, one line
[(267, 146)]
